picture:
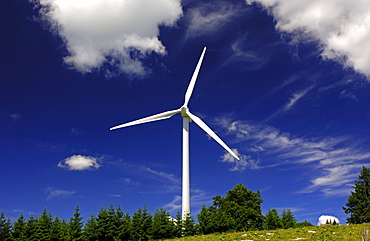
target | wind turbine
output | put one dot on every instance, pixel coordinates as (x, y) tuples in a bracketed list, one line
[(187, 117)]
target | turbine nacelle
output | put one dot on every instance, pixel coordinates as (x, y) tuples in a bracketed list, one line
[(184, 110)]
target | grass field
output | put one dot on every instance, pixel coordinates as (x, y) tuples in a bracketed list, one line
[(332, 232)]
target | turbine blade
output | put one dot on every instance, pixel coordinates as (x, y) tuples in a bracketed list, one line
[(190, 89), (208, 130), (160, 116)]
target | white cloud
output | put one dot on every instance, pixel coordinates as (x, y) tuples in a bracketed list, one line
[(116, 195), (56, 193), (248, 50), (174, 205), (116, 33), (239, 165), (48, 146), (79, 163), (334, 162), (15, 117), (198, 198), (342, 27), (296, 97), (130, 182), (336, 176), (170, 177), (348, 95), (209, 18)]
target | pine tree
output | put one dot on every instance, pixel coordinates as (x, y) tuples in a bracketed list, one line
[(75, 225), (204, 220), (288, 220), (43, 226), (31, 229), (59, 230), (141, 224), (105, 225), (178, 225), (19, 225), (188, 225), (125, 228), (5, 228), (272, 220), (358, 203), (220, 219), (162, 226), (90, 232)]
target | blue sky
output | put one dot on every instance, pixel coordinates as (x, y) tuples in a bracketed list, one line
[(284, 83)]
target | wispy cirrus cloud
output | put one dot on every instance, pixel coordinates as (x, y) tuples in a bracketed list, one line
[(335, 181), (336, 161), (174, 205), (114, 34), (53, 193), (198, 198), (348, 95), (340, 28), (15, 116), (146, 178), (80, 163), (129, 182), (250, 52), (170, 177), (208, 18), (49, 146), (296, 97)]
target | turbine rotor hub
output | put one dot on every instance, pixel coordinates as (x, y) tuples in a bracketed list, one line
[(183, 111)]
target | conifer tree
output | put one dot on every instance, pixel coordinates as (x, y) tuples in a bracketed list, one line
[(112, 222), (43, 226), (188, 225), (5, 228), (125, 228), (272, 220), (205, 225), (358, 203), (90, 231), (141, 224), (75, 225), (105, 224), (162, 226), (18, 231), (31, 229), (288, 220), (59, 230), (178, 225), (214, 218)]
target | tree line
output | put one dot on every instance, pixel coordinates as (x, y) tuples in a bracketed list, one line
[(239, 210)]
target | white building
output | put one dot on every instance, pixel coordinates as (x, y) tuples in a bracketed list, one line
[(325, 219)]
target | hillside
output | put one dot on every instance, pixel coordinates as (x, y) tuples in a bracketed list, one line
[(329, 233)]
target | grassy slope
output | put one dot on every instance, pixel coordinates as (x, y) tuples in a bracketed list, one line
[(329, 233)]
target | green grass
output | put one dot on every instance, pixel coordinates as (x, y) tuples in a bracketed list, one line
[(329, 233)]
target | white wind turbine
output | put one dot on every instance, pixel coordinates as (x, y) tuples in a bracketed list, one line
[(187, 118)]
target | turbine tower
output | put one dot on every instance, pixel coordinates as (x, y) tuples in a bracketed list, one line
[(187, 118)]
